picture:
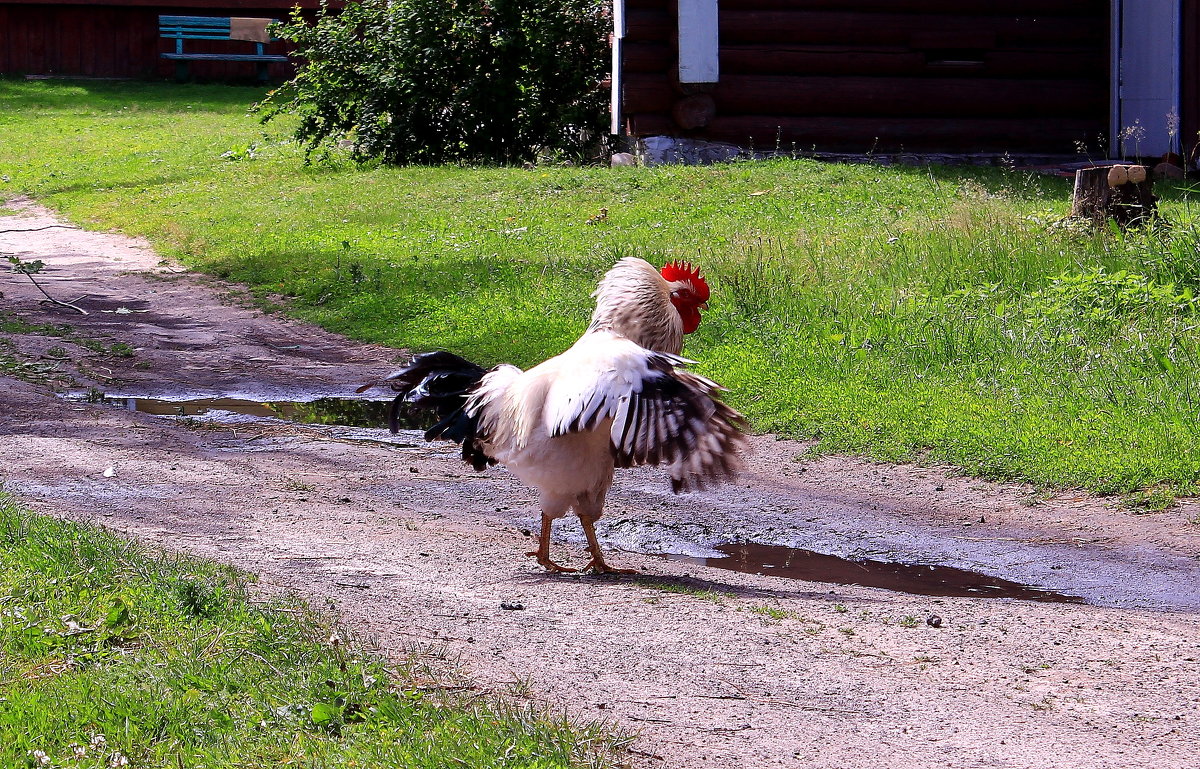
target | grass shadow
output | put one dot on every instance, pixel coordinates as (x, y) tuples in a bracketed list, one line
[(19, 94)]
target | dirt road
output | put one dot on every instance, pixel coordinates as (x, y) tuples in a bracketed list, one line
[(713, 667)]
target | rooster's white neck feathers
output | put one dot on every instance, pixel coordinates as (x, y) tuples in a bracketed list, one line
[(634, 301)]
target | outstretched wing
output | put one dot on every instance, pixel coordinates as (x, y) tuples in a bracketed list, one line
[(660, 413)]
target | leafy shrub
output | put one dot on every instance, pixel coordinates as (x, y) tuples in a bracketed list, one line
[(1096, 296), (1104, 296), (434, 81)]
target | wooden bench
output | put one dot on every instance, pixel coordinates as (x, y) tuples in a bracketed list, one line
[(180, 28)]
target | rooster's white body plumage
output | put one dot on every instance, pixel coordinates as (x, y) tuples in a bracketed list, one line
[(618, 397)]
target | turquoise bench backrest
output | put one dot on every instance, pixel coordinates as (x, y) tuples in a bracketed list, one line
[(180, 28), (194, 27)]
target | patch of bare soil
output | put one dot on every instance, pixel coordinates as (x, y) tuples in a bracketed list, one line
[(712, 667)]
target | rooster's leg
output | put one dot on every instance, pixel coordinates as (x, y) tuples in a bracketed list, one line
[(597, 563), (543, 552)]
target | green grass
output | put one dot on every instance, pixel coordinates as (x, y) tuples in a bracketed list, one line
[(171, 661), (927, 314), (681, 589)]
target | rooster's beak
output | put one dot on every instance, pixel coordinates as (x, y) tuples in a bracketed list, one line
[(703, 305)]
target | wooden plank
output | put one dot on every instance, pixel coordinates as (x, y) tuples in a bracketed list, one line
[(874, 29), (1190, 81), (1071, 8), (73, 43), (142, 42), (98, 55), (650, 25), (821, 60), (36, 38), (6, 43), (223, 57), (642, 56), (892, 97), (848, 134), (777, 59)]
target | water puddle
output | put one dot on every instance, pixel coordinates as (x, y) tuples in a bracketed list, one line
[(343, 412), (918, 579)]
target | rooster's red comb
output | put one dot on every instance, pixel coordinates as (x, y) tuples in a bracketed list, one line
[(673, 271)]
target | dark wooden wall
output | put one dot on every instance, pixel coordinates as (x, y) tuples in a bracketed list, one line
[(120, 39), (1189, 107), (886, 75)]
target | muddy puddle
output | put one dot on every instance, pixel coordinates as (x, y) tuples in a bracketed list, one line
[(914, 578), (342, 412)]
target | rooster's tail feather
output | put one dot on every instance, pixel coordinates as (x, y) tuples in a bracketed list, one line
[(437, 382)]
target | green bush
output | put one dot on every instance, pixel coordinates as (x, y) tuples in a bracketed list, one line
[(434, 81)]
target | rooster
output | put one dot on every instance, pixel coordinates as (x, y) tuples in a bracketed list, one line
[(619, 397)]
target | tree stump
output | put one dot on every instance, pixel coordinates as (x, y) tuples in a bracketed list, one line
[(1124, 194)]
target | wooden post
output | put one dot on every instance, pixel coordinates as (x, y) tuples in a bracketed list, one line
[(1122, 193)]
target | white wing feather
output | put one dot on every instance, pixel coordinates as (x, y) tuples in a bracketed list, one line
[(660, 413)]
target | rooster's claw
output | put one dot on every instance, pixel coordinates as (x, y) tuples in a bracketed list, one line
[(549, 565)]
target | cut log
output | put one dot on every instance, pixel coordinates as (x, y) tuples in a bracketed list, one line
[(1168, 171), (1105, 193), (692, 112)]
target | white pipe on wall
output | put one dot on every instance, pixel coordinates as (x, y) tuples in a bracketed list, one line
[(618, 14)]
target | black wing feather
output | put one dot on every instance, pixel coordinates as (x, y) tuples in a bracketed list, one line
[(677, 418), (440, 382)]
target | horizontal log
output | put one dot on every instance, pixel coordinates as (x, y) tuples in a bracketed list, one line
[(777, 59), (842, 134), (880, 96), (878, 29), (650, 25), (1089, 63), (648, 57), (1075, 8), (1072, 8), (834, 28)]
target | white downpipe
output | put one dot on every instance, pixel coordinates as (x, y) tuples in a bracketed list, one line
[(1114, 77), (616, 78)]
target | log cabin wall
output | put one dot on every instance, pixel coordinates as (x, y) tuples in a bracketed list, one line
[(1189, 99), (880, 75), (120, 39)]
